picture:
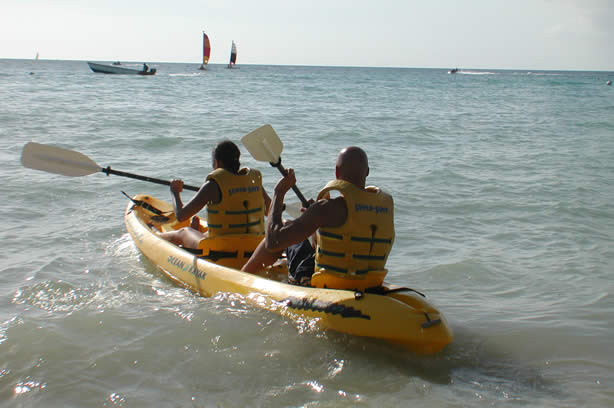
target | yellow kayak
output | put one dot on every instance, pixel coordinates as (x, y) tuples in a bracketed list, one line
[(395, 314)]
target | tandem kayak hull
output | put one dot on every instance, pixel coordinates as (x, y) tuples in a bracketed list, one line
[(401, 316)]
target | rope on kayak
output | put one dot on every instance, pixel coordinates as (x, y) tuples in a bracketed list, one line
[(143, 204), (429, 322), (381, 290)]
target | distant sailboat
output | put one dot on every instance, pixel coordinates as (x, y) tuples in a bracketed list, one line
[(206, 51), (35, 59), (233, 55)]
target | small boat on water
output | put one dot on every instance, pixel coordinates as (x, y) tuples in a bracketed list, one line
[(233, 56), (396, 314), (114, 69), (453, 71), (206, 51)]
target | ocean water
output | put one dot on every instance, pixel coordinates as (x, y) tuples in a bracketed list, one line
[(503, 184)]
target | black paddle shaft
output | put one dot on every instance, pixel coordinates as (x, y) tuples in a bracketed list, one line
[(298, 193), (109, 171)]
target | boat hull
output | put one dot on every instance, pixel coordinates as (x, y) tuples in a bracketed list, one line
[(114, 69), (403, 317)]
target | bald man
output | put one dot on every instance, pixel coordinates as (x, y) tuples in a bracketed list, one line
[(354, 231)]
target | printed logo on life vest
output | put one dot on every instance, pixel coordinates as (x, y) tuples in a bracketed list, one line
[(366, 207), (250, 189), (326, 307), (183, 267)]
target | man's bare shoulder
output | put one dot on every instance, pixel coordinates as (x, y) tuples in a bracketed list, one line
[(328, 212)]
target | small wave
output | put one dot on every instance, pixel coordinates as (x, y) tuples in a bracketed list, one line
[(477, 73), (123, 247), (542, 73), (55, 296), (4, 326)]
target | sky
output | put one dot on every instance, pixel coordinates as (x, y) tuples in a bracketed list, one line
[(481, 34)]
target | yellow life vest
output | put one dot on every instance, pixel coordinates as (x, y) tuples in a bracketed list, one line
[(241, 209), (353, 255)]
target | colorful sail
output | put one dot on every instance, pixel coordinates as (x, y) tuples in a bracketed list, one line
[(206, 49), (233, 54)]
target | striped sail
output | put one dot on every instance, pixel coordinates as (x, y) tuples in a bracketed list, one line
[(233, 54), (206, 49)]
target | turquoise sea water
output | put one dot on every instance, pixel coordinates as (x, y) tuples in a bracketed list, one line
[(503, 188)]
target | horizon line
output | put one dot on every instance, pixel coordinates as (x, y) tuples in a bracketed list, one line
[(320, 66)]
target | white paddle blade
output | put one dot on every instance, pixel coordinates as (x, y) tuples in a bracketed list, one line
[(293, 209), (54, 159), (263, 144)]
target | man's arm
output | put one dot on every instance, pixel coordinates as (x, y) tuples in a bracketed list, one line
[(323, 213), (267, 201)]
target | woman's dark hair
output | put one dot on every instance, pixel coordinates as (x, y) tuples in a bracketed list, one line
[(227, 153)]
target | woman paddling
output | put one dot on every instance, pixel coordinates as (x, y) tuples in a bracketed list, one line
[(235, 199)]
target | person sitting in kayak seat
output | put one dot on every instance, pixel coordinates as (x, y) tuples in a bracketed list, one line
[(354, 231), (235, 199)]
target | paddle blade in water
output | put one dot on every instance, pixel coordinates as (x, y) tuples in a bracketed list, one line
[(54, 159), (263, 144)]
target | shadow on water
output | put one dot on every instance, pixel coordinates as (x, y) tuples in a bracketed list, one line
[(470, 365), (474, 364)]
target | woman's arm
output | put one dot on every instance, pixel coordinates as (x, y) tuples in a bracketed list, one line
[(208, 193)]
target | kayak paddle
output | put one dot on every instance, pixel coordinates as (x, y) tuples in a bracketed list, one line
[(66, 162), (264, 145)]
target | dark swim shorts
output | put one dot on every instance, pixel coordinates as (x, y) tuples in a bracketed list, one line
[(301, 262)]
